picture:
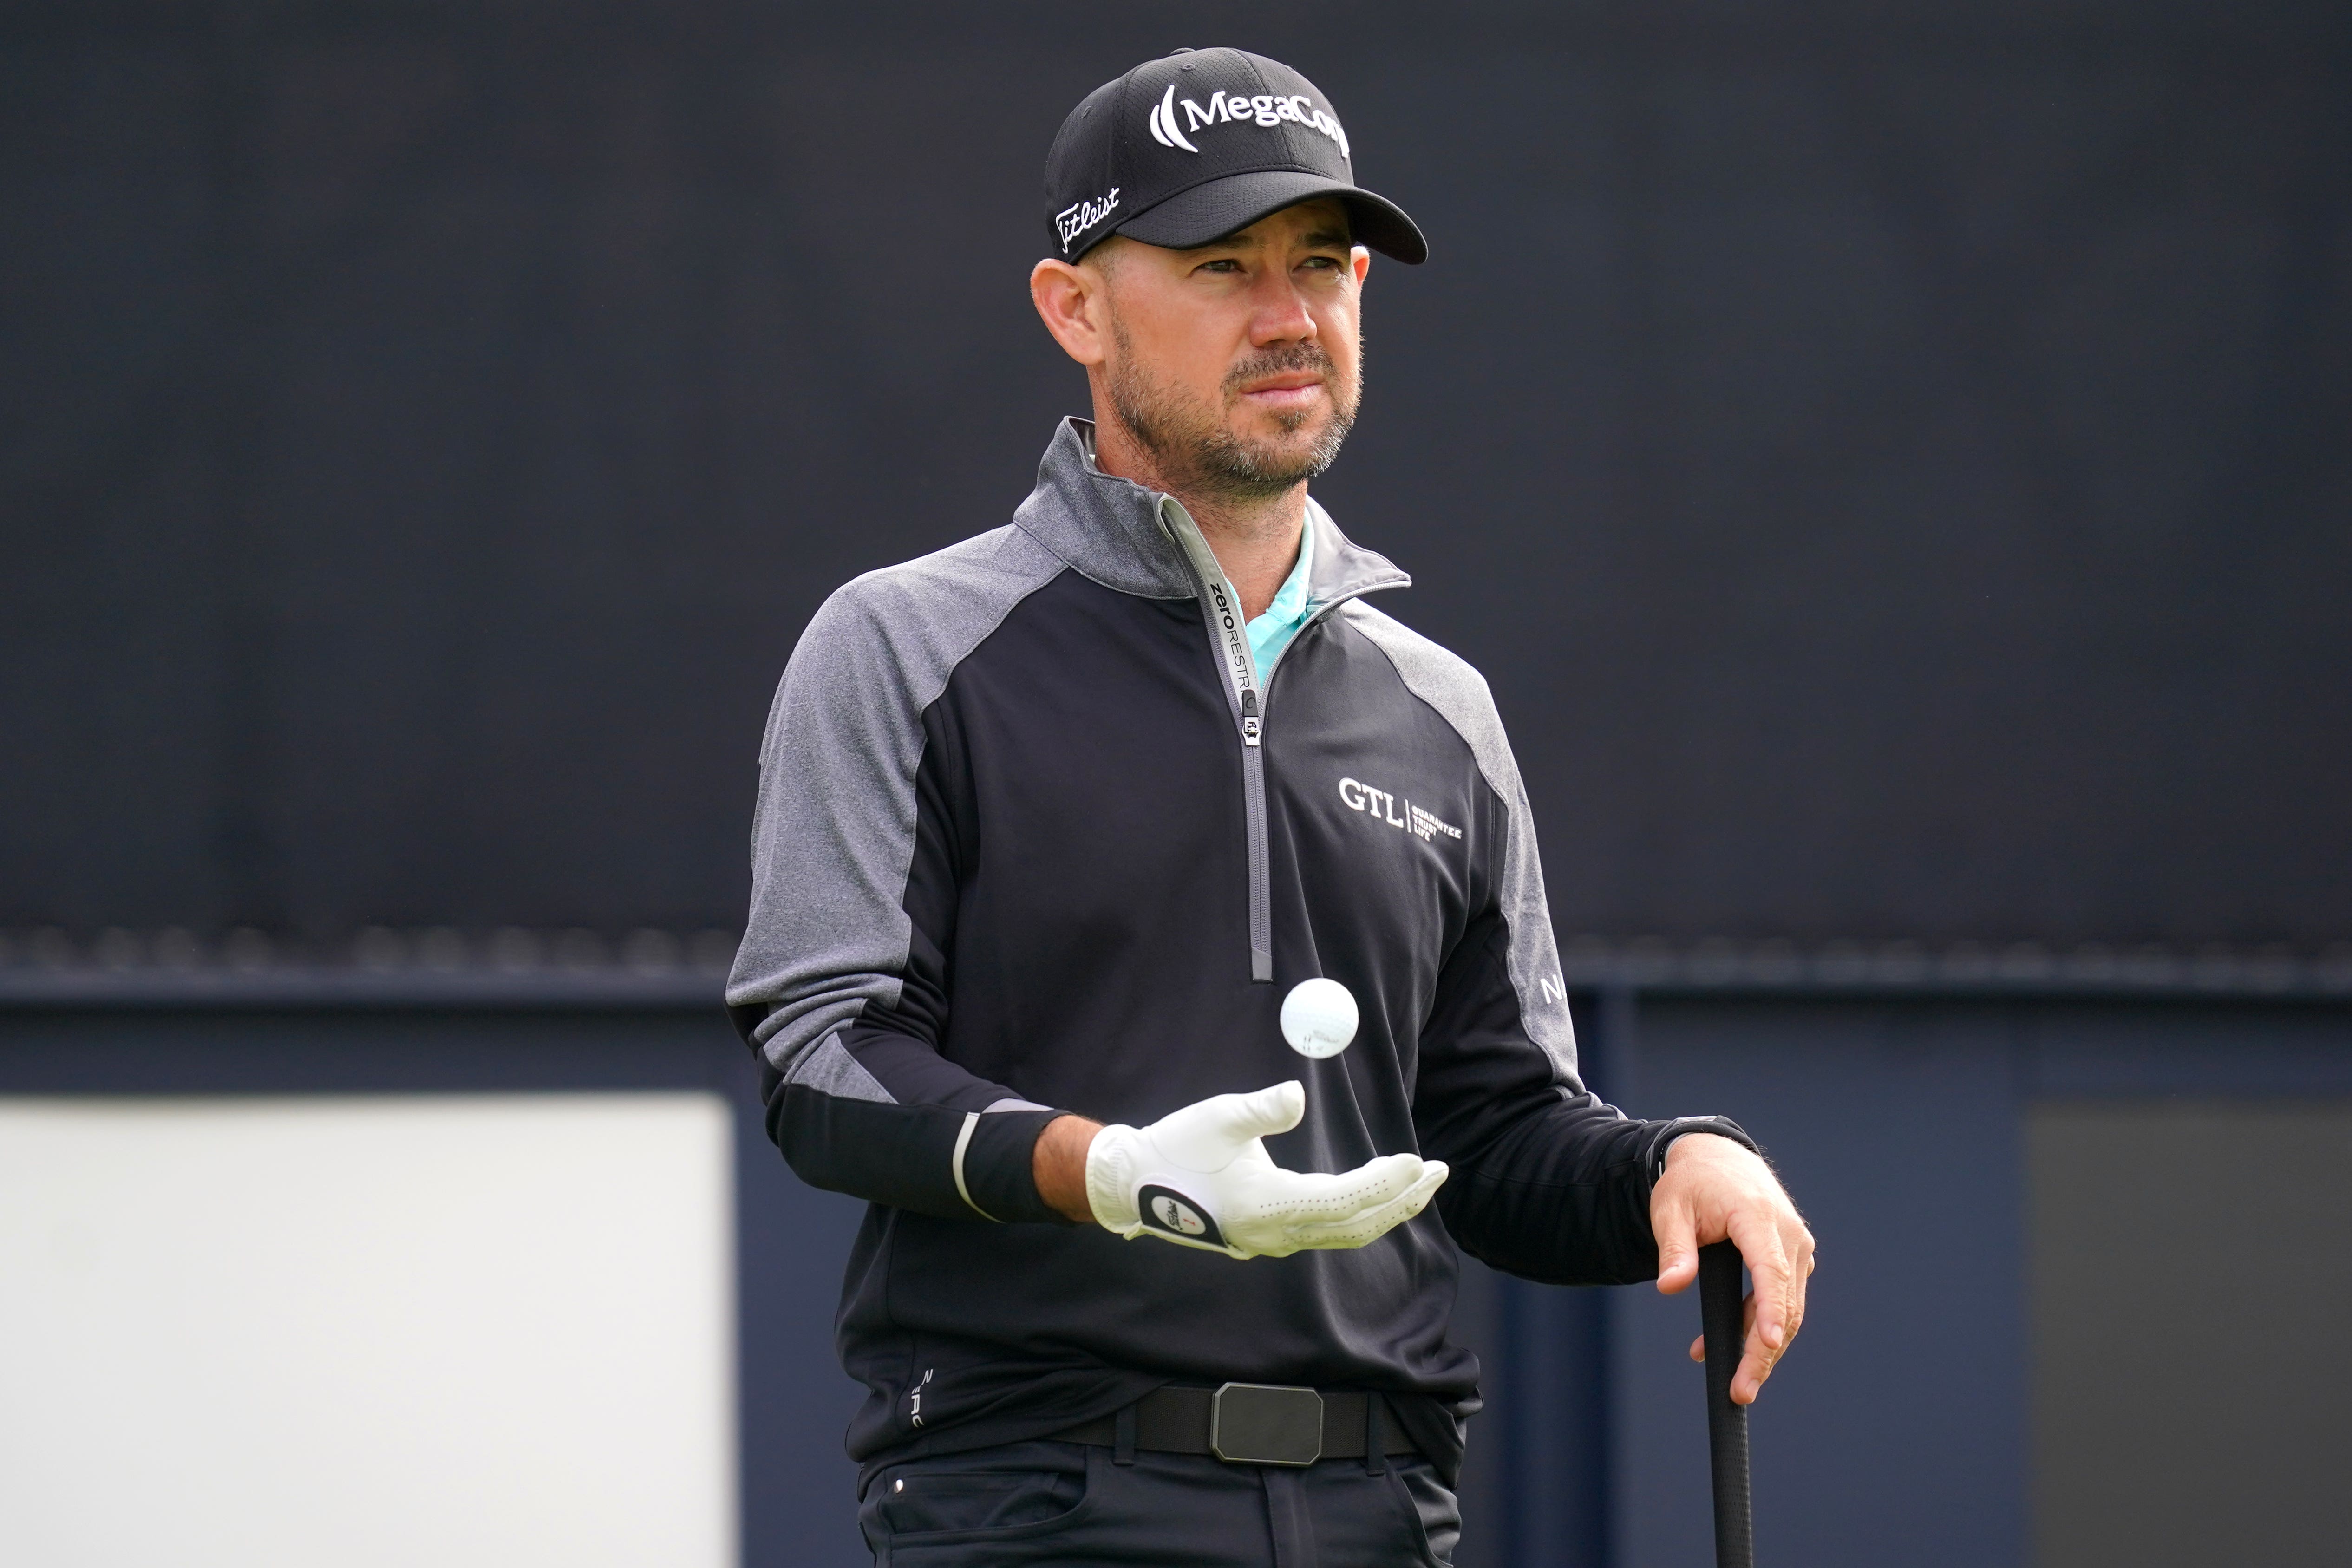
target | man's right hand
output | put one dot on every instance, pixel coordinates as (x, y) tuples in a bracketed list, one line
[(1202, 1177)]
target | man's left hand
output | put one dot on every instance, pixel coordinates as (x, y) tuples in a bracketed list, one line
[(1714, 1190)]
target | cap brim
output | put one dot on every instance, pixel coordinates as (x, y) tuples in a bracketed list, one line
[(1216, 208)]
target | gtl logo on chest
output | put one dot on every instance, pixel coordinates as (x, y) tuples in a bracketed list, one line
[(1382, 806)]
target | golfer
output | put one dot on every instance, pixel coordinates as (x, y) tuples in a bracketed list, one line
[(1049, 825)]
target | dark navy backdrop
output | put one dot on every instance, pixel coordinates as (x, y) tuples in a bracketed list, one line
[(1889, 459)]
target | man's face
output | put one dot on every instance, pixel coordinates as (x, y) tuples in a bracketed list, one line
[(1239, 365)]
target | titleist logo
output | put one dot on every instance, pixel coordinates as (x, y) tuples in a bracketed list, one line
[(1073, 221)]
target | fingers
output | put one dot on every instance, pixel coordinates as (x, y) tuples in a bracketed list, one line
[(1764, 1322), (1676, 1231), (1766, 1348), (1780, 1256), (1747, 1383), (1205, 1136), (1301, 1199), (1374, 1223), (1756, 1361), (1292, 1210), (1768, 1270), (1268, 1111), (1797, 1243)]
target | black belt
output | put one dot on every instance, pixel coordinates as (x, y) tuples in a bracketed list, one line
[(1249, 1423)]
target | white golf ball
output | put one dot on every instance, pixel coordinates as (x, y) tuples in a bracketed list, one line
[(1318, 1017)]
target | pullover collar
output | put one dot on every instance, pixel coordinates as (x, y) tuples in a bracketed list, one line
[(1116, 531)]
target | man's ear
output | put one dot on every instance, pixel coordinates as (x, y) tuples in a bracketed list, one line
[(1070, 302), (1361, 261)]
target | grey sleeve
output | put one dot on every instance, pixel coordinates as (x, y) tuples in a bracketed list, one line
[(1449, 685), (836, 983)]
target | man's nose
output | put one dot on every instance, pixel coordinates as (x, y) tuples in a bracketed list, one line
[(1279, 314)]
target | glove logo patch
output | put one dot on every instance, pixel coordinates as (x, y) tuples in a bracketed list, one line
[(1163, 1209)]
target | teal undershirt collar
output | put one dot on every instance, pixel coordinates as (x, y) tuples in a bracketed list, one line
[(1270, 633)]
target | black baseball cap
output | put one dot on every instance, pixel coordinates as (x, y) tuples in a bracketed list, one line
[(1183, 151)]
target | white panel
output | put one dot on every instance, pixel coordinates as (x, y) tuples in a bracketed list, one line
[(481, 1330)]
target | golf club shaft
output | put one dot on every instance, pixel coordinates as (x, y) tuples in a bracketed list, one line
[(1720, 1303)]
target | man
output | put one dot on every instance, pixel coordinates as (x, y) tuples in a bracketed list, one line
[(1049, 825)]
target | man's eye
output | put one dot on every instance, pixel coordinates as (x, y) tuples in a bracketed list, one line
[(1228, 265)]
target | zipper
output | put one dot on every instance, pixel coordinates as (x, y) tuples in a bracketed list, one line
[(1221, 610), (1246, 695)]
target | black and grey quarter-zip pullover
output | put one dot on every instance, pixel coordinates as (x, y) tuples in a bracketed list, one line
[(1033, 835)]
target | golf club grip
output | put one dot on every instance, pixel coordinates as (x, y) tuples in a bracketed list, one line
[(1719, 1302)]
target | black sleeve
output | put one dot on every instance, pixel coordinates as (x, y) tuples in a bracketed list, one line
[(876, 1111), (1548, 1182)]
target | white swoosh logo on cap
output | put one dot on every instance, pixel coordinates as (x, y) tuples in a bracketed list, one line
[(1162, 121)]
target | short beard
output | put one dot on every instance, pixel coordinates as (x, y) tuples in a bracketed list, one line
[(1190, 442)]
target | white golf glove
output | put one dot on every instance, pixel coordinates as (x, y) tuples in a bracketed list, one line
[(1199, 1177)]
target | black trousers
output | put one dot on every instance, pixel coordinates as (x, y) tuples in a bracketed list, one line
[(1071, 1503)]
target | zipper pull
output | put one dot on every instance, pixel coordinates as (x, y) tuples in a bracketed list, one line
[(1249, 716)]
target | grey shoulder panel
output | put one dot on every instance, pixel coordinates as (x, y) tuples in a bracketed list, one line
[(1458, 693), (833, 833)]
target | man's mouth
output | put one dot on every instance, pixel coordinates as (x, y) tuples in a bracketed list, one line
[(1291, 393)]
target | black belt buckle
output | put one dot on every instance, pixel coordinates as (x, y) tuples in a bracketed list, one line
[(1264, 1424)]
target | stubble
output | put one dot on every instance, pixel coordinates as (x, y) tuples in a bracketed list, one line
[(1195, 446)]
